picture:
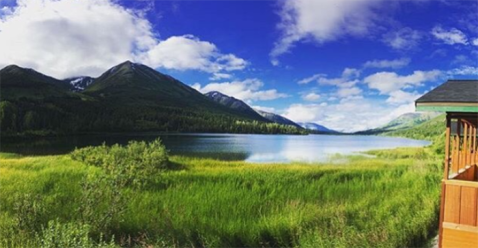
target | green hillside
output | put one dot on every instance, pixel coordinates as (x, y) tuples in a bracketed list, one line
[(428, 130), (409, 120), (403, 122), (432, 130)]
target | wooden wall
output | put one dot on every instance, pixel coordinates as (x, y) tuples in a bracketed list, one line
[(460, 217), (457, 238), (461, 203)]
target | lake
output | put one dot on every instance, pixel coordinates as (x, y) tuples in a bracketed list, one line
[(247, 147)]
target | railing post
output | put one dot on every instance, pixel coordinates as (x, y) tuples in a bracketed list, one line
[(447, 147), (445, 177), (459, 156)]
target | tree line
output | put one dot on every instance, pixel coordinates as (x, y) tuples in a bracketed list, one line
[(73, 116)]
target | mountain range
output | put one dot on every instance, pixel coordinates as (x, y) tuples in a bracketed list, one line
[(314, 127), (128, 97), (237, 104), (133, 97)]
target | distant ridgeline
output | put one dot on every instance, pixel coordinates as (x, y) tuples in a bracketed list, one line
[(127, 98), (405, 123)]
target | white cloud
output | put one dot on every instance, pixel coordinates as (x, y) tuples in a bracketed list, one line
[(348, 116), (401, 97), (347, 79), (347, 92), (339, 82), (247, 90), (387, 82), (346, 83), (66, 38), (304, 112), (322, 21), (351, 73), (450, 37), (464, 70), (311, 97), (460, 59), (219, 76), (188, 52), (475, 42), (402, 39), (394, 64), (311, 78)]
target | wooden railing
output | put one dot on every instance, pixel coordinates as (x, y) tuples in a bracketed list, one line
[(459, 199), (461, 147)]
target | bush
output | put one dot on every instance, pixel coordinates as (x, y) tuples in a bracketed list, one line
[(134, 163), (29, 211), (57, 235), (103, 203)]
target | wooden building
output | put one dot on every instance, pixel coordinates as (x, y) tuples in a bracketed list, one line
[(459, 197)]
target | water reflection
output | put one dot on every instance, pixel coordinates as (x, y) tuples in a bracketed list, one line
[(252, 148)]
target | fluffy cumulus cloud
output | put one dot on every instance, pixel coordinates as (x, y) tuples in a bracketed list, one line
[(394, 64), (401, 97), (347, 116), (348, 109), (248, 90), (303, 112), (348, 92), (451, 37), (66, 38), (387, 82), (188, 52), (322, 21), (475, 42)]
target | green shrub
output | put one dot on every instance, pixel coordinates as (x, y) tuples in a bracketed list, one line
[(29, 212), (103, 203), (134, 163), (59, 235)]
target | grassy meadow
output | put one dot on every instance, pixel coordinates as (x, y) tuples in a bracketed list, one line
[(391, 200)]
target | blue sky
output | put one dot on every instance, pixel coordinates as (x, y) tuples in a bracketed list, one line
[(346, 64)]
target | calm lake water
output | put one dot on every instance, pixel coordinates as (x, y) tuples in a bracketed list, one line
[(251, 148)]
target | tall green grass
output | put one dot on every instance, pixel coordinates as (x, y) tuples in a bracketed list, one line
[(388, 201)]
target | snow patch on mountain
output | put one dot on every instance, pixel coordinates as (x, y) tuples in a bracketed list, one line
[(79, 83)]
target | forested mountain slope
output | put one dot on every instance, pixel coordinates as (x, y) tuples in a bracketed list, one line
[(127, 98)]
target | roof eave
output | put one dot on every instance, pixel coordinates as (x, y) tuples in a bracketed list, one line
[(446, 107)]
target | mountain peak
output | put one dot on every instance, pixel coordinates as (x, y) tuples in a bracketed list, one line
[(13, 68), (277, 118), (127, 63), (233, 103), (217, 94), (129, 78)]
